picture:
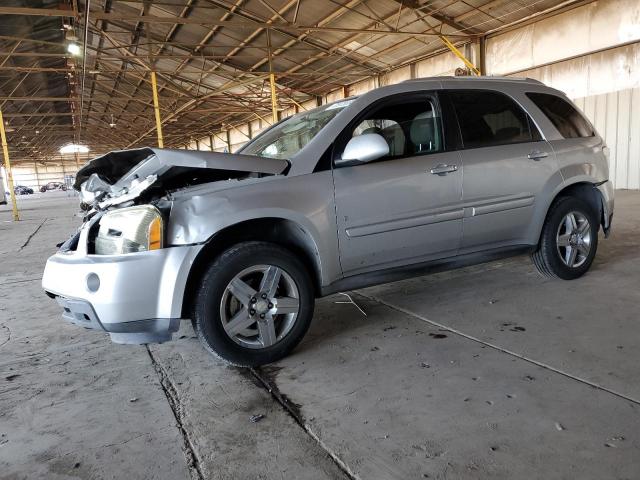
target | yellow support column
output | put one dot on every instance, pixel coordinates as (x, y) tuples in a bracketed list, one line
[(7, 165), (274, 98), (156, 108), (459, 54), (272, 81)]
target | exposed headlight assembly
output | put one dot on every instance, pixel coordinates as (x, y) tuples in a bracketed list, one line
[(128, 230)]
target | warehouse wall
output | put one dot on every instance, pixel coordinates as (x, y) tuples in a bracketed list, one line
[(36, 174), (591, 52)]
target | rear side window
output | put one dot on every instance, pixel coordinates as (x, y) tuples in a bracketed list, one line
[(569, 121), (491, 118)]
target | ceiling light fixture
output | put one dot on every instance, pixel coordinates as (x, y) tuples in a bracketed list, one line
[(74, 48), (73, 148)]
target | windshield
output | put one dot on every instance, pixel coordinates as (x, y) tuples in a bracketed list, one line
[(290, 136)]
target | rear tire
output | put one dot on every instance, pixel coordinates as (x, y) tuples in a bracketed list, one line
[(254, 304), (569, 240)]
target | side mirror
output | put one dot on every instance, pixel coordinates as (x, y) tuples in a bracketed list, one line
[(364, 148)]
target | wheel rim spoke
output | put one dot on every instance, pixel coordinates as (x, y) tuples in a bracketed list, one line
[(241, 291), (584, 228), (270, 281), (572, 224), (267, 331), (583, 248), (239, 322), (563, 240), (287, 305), (570, 255)]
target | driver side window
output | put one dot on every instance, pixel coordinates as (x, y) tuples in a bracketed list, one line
[(409, 126)]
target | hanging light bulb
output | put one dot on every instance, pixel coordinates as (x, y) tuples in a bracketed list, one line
[(113, 123)]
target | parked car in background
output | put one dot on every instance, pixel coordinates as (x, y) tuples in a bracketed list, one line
[(420, 176), (53, 186), (22, 190)]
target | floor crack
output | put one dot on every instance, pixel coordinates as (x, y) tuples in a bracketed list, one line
[(170, 391), (501, 349), (32, 235), (292, 411), (21, 281), (8, 339)]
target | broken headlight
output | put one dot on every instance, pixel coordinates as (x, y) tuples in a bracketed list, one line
[(128, 230)]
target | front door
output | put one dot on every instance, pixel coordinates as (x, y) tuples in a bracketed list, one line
[(407, 207)]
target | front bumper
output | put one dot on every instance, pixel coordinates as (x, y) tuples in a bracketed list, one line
[(136, 298), (155, 330)]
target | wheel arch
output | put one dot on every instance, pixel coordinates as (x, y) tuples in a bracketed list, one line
[(583, 189), (280, 231)]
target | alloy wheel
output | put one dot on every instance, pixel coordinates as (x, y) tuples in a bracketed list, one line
[(259, 306), (573, 239)]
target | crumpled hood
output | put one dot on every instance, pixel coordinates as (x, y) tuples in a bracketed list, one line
[(125, 174), (112, 166)]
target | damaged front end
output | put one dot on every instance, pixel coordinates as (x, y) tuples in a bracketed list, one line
[(138, 176), (138, 183), (118, 273)]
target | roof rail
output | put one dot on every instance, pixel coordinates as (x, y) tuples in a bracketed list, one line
[(474, 78)]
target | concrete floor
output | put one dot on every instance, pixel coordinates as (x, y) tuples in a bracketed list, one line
[(484, 372)]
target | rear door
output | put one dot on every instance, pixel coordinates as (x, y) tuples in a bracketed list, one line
[(404, 208), (506, 166)]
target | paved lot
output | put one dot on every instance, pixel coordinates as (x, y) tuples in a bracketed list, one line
[(485, 372)]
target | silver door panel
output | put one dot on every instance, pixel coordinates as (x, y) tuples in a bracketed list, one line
[(501, 187), (396, 212)]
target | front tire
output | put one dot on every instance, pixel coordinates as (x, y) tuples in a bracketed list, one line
[(569, 240), (254, 304)]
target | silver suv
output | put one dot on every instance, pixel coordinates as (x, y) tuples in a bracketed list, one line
[(427, 174)]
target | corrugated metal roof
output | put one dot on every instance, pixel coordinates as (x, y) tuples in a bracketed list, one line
[(211, 58)]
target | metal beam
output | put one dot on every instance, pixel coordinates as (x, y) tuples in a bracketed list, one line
[(37, 12), (440, 17), (460, 55), (237, 24), (67, 99)]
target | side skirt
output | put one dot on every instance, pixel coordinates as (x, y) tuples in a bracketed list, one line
[(395, 274)]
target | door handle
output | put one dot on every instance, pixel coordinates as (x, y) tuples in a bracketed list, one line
[(443, 169), (537, 155)]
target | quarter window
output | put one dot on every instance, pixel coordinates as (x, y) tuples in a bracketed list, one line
[(410, 126), (491, 118), (569, 122)]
